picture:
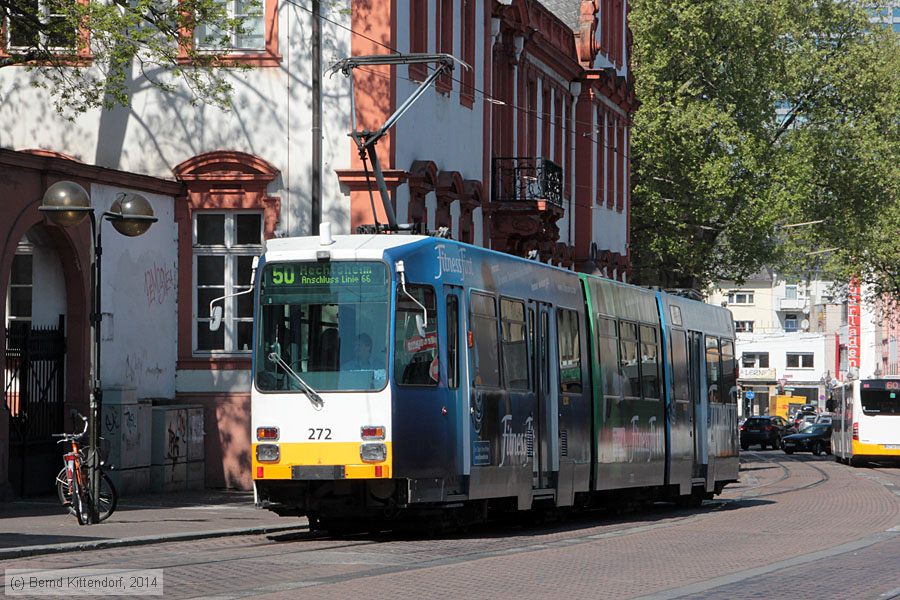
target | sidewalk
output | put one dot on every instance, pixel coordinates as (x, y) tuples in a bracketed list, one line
[(42, 526)]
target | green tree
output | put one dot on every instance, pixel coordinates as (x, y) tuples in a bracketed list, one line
[(755, 115), (88, 53)]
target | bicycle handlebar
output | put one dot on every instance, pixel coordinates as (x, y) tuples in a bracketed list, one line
[(74, 436)]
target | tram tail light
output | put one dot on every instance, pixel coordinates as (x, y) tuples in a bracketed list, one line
[(371, 432), (856, 431), (267, 434)]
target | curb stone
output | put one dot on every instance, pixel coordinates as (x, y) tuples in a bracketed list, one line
[(24, 551)]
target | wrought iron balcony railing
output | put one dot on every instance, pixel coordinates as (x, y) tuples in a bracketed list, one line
[(527, 179)]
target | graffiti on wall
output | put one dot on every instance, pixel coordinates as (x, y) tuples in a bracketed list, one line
[(159, 284)]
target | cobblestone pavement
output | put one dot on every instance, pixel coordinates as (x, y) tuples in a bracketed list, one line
[(798, 526), (33, 524)]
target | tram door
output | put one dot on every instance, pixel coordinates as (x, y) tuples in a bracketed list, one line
[(539, 326), (697, 359)]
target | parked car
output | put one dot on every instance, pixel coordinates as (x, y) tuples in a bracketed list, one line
[(797, 421), (816, 439), (808, 409), (824, 418), (765, 431)]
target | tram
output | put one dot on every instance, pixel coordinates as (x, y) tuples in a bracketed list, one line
[(404, 374), (866, 427)]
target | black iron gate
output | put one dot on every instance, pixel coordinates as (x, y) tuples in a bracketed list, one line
[(35, 397)]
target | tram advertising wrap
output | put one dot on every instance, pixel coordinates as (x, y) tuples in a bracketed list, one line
[(407, 375)]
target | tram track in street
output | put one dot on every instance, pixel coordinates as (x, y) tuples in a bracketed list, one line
[(503, 539), (785, 475)]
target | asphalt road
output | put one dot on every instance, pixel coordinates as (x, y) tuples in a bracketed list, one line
[(794, 527)]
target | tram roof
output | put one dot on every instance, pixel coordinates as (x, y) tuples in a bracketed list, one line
[(343, 246)]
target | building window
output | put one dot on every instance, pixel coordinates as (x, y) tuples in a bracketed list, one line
[(18, 301), (790, 292), (53, 31), (798, 360), (467, 41), (740, 297), (444, 44), (755, 360), (418, 36), (743, 326), (42, 25), (790, 323), (254, 43), (251, 35), (224, 246)]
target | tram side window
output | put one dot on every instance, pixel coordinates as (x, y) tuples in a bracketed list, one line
[(452, 342), (649, 363), (629, 366), (729, 384), (681, 383), (712, 369), (414, 353), (515, 347), (569, 345), (484, 330), (608, 351)]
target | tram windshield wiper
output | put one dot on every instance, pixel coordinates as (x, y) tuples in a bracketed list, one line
[(313, 396)]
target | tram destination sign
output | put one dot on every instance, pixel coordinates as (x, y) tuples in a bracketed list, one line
[(328, 274)]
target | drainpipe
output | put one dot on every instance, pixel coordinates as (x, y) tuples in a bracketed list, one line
[(575, 90), (316, 175)]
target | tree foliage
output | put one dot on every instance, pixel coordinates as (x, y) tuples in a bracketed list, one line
[(756, 115), (90, 53)]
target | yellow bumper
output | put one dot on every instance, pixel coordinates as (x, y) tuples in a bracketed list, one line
[(860, 449), (344, 454)]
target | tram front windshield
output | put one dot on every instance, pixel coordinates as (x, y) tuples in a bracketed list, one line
[(327, 322)]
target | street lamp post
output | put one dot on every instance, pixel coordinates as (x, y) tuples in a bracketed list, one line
[(67, 204)]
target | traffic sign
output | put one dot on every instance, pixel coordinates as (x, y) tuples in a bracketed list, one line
[(749, 395)]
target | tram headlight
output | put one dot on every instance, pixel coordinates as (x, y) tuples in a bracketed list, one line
[(267, 453), (373, 452)]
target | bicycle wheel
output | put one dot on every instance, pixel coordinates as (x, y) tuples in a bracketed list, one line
[(63, 491), (81, 504), (109, 497)]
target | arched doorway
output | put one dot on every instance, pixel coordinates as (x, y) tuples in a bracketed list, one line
[(35, 310)]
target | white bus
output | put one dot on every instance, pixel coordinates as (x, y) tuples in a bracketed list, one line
[(866, 426)]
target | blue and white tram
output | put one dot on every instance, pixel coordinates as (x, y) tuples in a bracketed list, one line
[(413, 373)]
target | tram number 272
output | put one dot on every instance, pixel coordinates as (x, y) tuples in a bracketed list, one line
[(319, 434)]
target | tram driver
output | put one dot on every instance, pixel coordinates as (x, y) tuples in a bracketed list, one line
[(362, 354)]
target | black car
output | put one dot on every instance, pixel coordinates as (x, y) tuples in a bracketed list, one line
[(765, 431), (816, 439)]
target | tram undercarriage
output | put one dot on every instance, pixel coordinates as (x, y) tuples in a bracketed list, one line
[(374, 505)]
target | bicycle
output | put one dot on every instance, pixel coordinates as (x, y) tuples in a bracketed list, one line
[(73, 484)]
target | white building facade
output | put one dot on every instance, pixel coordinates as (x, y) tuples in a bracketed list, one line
[(794, 337), (526, 152)]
